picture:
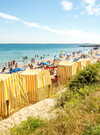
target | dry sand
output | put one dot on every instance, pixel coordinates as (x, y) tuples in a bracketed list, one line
[(41, 109)]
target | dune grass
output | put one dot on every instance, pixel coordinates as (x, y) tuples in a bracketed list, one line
[(27, 127)]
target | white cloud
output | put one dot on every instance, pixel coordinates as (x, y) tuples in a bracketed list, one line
[(8, 17), (78, 36), (91, 2), (66, 35), (47, 28), (67, 5), (31, 24), (93, 10), (91, 7)]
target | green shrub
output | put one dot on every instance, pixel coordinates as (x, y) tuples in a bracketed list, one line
[(27, 127), (85, 77), (92, 130)]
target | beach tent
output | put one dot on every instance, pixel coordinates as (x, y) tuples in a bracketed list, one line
[(66, 70), (13, 94), (37, 82)]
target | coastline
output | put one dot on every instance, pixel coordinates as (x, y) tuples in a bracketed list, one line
[(90, 45), (9, 51)]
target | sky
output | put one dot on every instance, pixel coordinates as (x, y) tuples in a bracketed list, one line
[(49, 21)]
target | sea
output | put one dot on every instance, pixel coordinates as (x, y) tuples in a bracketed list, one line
[(16, 52)]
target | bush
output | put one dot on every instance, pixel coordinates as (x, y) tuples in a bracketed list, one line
[(85, 77), (92, 130), (27, 127)]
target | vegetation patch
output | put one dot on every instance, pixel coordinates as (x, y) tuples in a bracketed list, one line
[(27, 127), (88, 76), (92, 130)]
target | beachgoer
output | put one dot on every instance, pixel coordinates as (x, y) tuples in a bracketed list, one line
[(9, 65), (10, 70), (3, 70), (16, 65), (32, 60), (30, 66), (13, 62)]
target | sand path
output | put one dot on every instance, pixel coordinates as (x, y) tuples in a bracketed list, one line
[(41, 109)]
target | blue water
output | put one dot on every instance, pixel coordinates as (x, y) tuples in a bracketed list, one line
[(10, 52)]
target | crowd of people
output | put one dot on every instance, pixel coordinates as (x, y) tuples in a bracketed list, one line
[(13, 65), (10, 65)]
